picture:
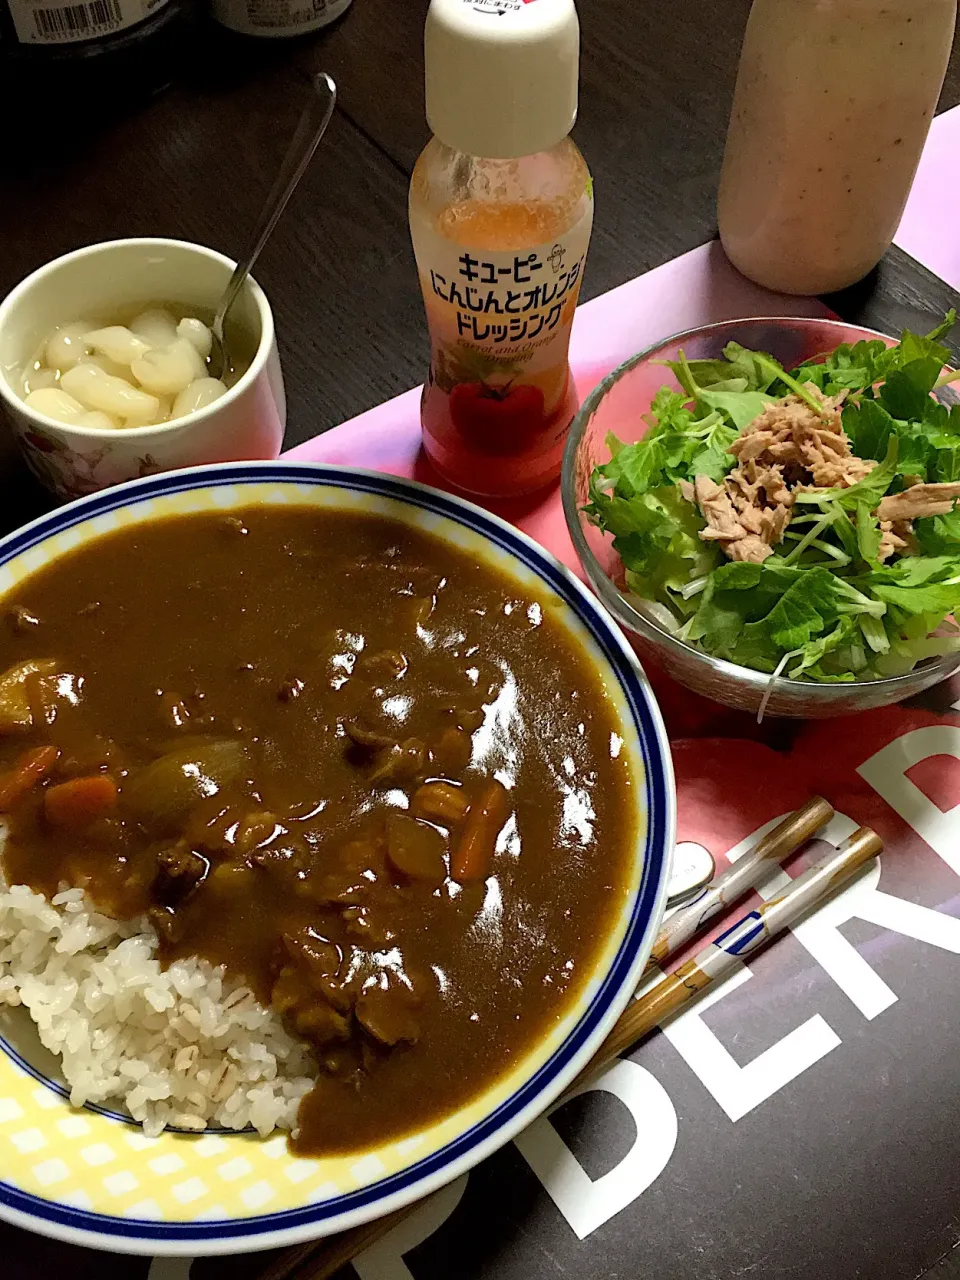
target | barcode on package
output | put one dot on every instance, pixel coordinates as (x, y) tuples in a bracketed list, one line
[(78, 21)]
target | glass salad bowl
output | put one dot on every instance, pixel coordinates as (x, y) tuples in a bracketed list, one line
[(618, 405)]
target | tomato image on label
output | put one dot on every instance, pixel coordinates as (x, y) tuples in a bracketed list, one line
[(488, 409), (497, 420), (500, 302)]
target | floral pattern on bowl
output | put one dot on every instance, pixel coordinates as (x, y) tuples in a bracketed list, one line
[(70, 473)]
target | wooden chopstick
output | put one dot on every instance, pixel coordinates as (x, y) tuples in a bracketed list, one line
[(746, 873), (325, 1257), (317, 1260), (285, 1264), (720, 958)]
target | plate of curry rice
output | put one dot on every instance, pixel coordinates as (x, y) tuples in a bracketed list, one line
[(335, 825)]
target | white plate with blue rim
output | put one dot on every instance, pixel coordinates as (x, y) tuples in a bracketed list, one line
[(90, 1176)]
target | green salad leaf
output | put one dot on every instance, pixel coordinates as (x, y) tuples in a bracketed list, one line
[(848, 368), (755, 615), (868, 533), (869, 427), (739, 407), (749, 370), (919, 584), (939, 535), (860, 366), (656, 533)]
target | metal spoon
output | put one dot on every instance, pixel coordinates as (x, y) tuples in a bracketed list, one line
[(693, 869), (310, 129)]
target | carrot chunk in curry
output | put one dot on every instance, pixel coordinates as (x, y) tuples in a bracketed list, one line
[(361, 770)]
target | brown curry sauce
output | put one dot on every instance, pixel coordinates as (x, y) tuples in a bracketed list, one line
[(339, 757)]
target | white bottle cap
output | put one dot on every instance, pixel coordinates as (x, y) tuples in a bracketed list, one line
[(501, 75)]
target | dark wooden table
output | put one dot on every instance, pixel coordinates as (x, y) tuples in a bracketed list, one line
[(196, 162)]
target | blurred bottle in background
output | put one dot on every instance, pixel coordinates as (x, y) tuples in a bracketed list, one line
[(277, 18), (79, 53), (832, 107)]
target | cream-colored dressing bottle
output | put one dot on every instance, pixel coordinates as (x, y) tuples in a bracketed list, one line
[(832, 107), (501, 206)]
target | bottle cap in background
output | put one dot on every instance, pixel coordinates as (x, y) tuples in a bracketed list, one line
[(501, 75)]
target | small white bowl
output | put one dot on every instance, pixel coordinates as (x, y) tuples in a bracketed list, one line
[(246, 423)]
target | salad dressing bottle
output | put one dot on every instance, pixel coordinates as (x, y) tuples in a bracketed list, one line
[(501, 208), (832, 107)]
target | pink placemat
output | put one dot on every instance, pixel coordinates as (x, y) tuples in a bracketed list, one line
[(695, 289), (930, 229)]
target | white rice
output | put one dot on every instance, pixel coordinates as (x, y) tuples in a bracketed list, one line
[(184, 1046)]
